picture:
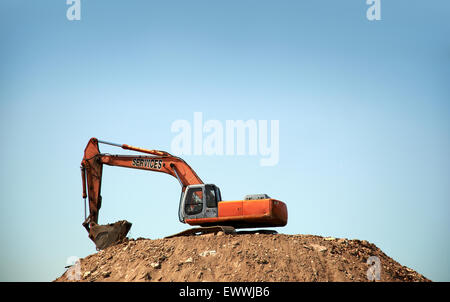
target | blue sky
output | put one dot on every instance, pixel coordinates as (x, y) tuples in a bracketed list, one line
[(363, 109)]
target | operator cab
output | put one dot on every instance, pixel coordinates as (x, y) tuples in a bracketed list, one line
[(199, 201)]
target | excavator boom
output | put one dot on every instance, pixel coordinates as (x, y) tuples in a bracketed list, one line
[(91, 173)]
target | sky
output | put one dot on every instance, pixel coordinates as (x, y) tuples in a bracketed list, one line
[(363, 111)]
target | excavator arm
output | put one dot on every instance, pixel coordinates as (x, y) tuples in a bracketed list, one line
[(91, 173)]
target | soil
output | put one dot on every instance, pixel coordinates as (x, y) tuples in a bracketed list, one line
[(237, 258)]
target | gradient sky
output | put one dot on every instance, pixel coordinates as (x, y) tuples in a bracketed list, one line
[(363, 109)]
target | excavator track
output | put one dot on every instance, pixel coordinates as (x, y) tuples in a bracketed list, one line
[(205, 230), (267, 232), (229, 230)]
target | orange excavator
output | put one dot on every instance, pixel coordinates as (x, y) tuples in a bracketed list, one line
[(200, 204)]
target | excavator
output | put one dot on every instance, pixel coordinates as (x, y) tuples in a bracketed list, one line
[(200, 204)]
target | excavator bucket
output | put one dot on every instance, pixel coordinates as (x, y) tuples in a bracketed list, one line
[(109, 234)]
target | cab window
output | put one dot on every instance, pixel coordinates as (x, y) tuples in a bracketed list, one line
[(194, 201), (211, 198)]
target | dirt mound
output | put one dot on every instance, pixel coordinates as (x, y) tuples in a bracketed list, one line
[(234, 258)]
